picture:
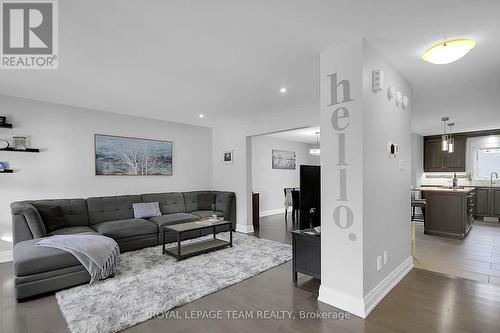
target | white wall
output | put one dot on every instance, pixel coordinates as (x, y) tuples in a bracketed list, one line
[(270, 182), (386, 187), (235, 136), (65, 166), (417, 159), (373, 197)]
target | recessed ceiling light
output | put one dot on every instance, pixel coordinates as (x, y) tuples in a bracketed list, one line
[(283, 90), (202, 115), (449, 51)]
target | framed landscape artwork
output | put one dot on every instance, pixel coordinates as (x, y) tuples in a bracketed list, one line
[(124, 156), (283, 159)]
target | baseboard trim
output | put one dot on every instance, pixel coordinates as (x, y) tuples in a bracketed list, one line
[(385, 286), (341, 301), (244, 228), (271, 212), (5, 256), (362, 307)]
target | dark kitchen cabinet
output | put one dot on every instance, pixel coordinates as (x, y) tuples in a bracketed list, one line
[(482, 201), (495, 202), (436, 160)]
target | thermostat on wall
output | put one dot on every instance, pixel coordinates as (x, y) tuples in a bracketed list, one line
[(392, 149)]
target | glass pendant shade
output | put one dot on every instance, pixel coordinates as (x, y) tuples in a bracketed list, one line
[(451, 145), (444, 142)]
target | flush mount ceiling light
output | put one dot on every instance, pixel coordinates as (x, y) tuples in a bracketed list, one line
[(315, 151), (202, 115), (283, 90), (449, 51)]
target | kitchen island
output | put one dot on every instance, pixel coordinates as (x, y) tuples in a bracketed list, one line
[(449, 211)]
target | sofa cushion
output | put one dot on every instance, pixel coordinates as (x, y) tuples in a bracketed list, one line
[(175, 218), (169, 202), (74, 230), (52, 217), (125, 228), (32, 259), (206, 213), (102, 209), (223, 202), (198, 200), (145, 210), (74, 211)]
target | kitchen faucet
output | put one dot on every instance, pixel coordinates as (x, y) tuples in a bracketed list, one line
[(491, 177)]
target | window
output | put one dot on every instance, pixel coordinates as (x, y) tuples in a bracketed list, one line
[(488, 160)]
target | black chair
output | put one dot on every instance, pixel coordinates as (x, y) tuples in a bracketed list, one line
[(295, 204), (420, 203), (287, 190)]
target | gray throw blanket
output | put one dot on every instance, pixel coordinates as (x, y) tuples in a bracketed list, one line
[(98, 254)]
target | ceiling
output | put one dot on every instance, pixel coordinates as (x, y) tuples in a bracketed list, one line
[(303, 135), (228, 59)]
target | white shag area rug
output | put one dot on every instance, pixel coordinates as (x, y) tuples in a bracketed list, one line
[(148, 283)]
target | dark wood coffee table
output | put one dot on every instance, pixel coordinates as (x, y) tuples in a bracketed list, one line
[(181, 252)]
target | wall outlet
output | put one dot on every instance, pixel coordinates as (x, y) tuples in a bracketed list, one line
[(379, 263), (386, 257)]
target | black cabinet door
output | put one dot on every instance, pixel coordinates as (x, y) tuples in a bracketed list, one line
[(456, 161), (434, 158), (482, 201), (495, 202)]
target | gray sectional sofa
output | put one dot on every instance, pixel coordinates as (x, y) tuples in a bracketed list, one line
[(38, 270)]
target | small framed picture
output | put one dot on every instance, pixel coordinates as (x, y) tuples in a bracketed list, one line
[(227, 157), (3, 119), (19, 142)]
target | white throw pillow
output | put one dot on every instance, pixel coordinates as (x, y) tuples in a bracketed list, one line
[(146, 210)]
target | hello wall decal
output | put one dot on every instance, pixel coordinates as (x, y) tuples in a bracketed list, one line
[(343, 216)]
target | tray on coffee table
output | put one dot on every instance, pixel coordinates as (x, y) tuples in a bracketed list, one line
[(181, 251)]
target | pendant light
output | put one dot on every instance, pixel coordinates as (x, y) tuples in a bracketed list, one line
[(451, 141), (444, 137), (315, 151)]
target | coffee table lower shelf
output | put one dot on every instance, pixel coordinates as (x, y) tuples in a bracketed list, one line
[(189, 250)]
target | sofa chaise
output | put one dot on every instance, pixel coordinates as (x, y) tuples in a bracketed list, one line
[(39, 270)]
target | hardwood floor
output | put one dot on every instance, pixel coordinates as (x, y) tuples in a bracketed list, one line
[(477, 257), (422, 302)]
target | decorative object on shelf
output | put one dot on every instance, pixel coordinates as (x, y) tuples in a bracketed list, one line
[(19, 142), (399, 98), (448, 51), (125, 156), (3, 119), (4, 144), (405, 102), (451, 141), (2, 166), (392, 149), (391, 92), (315, 151), (227, 157), (444, 137), (285, 160), (377, 80)]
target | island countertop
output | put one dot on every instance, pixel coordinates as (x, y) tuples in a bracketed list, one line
[(444, 189)]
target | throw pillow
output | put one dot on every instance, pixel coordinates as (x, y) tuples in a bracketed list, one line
[(52, 217), (146, 210)]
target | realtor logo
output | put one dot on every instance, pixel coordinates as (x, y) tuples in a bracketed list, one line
[(29, 35)]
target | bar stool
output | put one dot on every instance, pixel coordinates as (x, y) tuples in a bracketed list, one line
[(420, 203)]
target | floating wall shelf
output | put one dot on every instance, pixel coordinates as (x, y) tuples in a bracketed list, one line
[(7, 171), (6, 125), (27, 150)]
